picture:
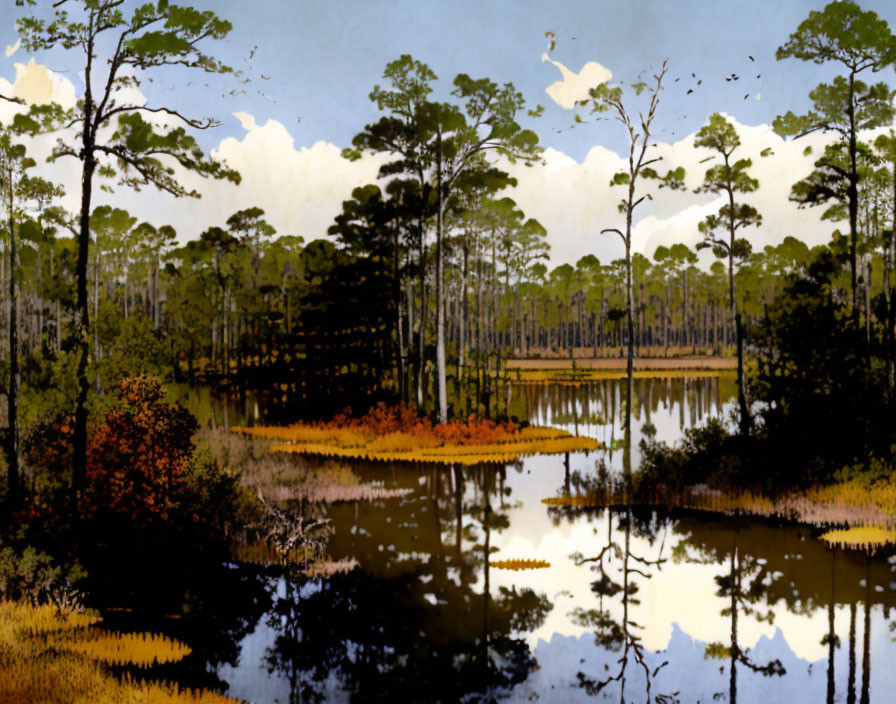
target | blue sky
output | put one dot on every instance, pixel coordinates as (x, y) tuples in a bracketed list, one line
[(323, 58), (313, 63)]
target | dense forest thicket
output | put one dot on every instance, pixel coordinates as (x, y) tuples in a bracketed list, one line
[(244, 303)]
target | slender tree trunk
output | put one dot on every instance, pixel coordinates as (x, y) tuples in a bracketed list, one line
[(421, 344), (738, 326), (851, 677), (79, 459), (853, 200), (440, 294), (866, 638), (12, 450), (832, 638), (462, 333), (96, 311), (735, 648)]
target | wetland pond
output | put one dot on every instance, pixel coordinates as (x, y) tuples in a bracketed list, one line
[(635, 606)]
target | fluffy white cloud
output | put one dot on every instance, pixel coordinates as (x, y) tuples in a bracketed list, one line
[(35, 84), (575, 86), (301, 189), (574, 201)]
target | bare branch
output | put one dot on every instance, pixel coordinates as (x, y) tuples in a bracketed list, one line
[(192, 122)]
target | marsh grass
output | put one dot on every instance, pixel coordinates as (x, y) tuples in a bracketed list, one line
[(351, 443), (614, 358), (264, 554), (281, 478), (321, 569), (867, 538), (850, 503), (520, 564), (573, 377), (56, 657)]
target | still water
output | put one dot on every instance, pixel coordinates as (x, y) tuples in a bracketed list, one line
[(635, 606)]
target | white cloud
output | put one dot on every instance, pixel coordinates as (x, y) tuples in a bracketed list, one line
[(575, 86), (35, 84), (574, 201), (301, 189)]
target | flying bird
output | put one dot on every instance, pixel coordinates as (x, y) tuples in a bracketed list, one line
[(746, 96), (690, 90), (700, 82), (267, 78), (254, 49), (751, 58)]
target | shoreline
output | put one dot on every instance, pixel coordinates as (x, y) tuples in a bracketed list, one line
[(616, 364)]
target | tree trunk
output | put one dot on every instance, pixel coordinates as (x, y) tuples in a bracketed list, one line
[(440, 303), (79, 459), (853, 199), (12, 451)]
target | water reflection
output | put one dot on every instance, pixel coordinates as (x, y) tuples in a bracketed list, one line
[(636, 606), (619, 635), (662, 407)]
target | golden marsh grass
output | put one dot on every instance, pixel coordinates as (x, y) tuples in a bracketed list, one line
[(358, 443), (56, 657)]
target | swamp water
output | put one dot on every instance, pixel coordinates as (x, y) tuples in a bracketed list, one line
[(634, 607)]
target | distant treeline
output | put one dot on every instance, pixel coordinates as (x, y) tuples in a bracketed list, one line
[(334, 323)]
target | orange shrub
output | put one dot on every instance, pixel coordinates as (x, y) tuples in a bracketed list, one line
[(136, 454)]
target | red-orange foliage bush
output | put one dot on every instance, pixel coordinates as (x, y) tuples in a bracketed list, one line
[(383, 419), (136, 455)]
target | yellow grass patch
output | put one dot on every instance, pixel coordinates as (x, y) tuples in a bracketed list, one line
[(355, 443), (846, 503), (55, 657), (141, 649), (580, 376), (860, 538), (262, 553), (520, 564), (678, 359)]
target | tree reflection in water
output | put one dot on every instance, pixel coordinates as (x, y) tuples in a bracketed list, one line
[(622, 635), (419, 627), (781, 566)]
